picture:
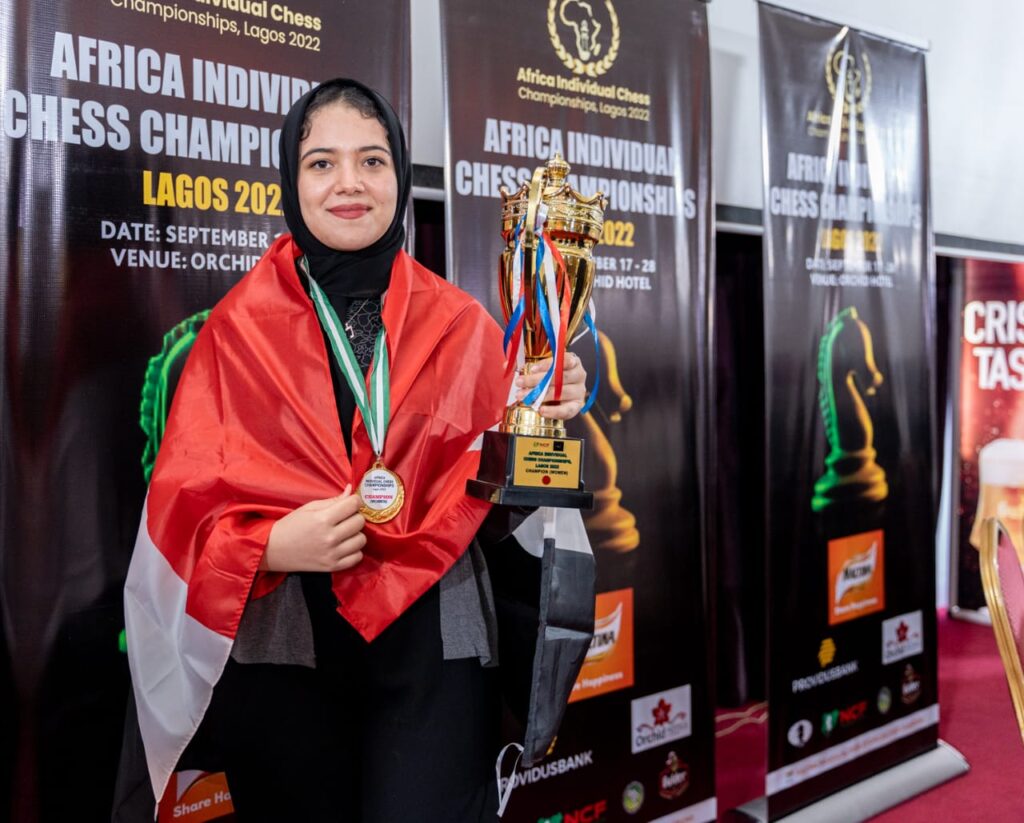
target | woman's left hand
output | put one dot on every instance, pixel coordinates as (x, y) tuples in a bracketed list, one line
[(574, 388)]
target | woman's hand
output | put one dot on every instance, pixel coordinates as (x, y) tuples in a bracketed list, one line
[(321, 536), (574, 388)]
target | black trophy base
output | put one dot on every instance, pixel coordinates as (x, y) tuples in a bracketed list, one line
[(520, 470)]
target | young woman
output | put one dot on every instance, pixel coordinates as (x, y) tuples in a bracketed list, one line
[(336, 616)]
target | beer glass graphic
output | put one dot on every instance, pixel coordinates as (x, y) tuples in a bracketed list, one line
[(1001, 490)]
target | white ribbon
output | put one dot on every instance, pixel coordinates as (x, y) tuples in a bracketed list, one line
[(503, 796)]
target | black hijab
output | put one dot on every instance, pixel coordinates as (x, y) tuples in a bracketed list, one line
[(345, 274)]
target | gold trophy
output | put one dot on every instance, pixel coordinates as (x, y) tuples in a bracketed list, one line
[(545, 278)]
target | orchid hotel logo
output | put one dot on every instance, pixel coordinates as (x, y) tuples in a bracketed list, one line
[(585, 34)]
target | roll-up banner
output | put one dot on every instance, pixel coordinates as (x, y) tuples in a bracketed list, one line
[(850, 468), (619, 89), (138, 148), (990, 455)]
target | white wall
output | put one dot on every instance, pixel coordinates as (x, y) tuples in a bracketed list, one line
[(975, 65)]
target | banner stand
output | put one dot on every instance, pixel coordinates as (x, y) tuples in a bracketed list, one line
[(875, 794), (979, 617)]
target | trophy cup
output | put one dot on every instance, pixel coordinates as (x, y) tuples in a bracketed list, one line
[(545, 277)]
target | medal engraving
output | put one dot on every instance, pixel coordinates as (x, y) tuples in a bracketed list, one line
[(382, 492)]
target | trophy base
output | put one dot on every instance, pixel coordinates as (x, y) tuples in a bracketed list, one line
[(521, 470)]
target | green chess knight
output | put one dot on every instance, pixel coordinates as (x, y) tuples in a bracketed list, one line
[(161, 380), (847, 374)]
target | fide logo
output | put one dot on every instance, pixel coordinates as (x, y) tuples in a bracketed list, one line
[(849, 75), (591, 30)]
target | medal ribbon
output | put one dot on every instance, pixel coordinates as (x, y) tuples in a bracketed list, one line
[(375, 408)]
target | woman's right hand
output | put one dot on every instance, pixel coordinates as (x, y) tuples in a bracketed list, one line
[(321, 536)]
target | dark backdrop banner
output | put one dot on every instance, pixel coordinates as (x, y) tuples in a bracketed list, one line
[(990, 455), (620, 89), (138, 151), (850, 471)]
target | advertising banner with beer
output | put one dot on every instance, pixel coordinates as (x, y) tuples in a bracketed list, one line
[(850, 473), (991, 416), (138, 148), (600, 111)]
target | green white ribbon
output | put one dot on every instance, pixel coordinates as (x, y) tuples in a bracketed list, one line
[(375, 409)]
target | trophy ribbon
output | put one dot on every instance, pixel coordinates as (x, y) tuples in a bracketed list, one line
[(381, 490), (546, 274), (554, 302), (589, 320), (514, 328)]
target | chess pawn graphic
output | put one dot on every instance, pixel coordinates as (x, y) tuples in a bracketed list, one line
[(847, 375), (610, 526)]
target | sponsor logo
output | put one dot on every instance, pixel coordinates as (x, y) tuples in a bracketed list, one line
[(826, 652), (910, 689), (660, 718), (674, 778), (588, 814), (856, 572), (554, 768), (609, 662), (853, 713), (633, 797), (856, 748), (837, 672), (884, 701), (902, 637), (799, 733), (585, 34), (195, 797), (849, 75), (829, 721)]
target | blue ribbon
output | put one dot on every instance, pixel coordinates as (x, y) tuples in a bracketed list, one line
[(520, 308), (597, 352), (545, 319)]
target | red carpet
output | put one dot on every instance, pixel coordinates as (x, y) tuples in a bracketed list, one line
[(976, 718)]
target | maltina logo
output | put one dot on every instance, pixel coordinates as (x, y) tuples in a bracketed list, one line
[(856, 566), (857, 572), (591, 28), (609, 662), (606, 635)]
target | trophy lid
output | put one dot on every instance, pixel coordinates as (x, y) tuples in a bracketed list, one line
[(569, 213)]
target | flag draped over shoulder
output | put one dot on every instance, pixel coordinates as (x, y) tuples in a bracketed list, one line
[(253, 433)]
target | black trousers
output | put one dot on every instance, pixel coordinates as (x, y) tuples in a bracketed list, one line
[(378, 732)]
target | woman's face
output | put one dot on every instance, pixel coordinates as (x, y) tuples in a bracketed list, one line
[(347, 187)]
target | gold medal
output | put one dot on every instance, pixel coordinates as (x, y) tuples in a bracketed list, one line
[(382, 492)]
